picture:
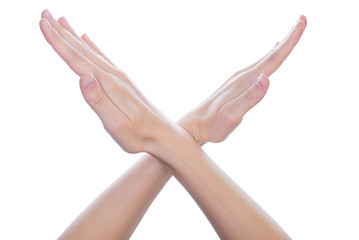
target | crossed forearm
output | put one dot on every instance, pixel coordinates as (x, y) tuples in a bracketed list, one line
[(232, 213), (116, 213), (118, 210)]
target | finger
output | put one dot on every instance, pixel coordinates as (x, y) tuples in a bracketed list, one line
[(255, 63), (78, 44), (237, 74), (273, 60), (248, 99), (84, 38), (96, 97), (115, 71), (75, 59), (89, 48), (118, 72), (81, 65), (96, 49), (65, 24)]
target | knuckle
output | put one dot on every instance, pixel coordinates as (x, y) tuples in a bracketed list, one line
[(96, 98), (112, 83), (99, 98), (116, 88), (251, 95), (76, 54)]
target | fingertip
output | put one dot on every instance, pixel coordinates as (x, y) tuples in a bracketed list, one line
[(46, 14), (63, 21), (86, 38), (302, 24), (299, 29), (304, 18), (41, 23), (44, 24), (43, 13)]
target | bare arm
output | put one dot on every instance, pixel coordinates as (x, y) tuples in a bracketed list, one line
[(118, 201)]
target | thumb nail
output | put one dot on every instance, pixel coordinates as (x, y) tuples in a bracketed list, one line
[(261, 81), (87, 82)]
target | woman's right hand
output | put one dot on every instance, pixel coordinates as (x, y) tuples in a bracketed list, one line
[(222, 112)]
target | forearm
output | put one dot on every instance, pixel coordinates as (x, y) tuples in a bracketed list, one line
[(118, 210), (116, 213), (132, 121), (232, 213)]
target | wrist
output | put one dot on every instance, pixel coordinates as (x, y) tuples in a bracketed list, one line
[(171, 142), (191, 126)]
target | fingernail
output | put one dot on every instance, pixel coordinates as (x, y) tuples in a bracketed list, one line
[(46, 23), (304, 19), (88, 82), (296, 28), (295, 25), (261, 81), (47, 14), (87, 39), (64, 22)]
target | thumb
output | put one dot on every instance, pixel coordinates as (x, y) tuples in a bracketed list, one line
[(249, 98), (98, 100), (92, 91)]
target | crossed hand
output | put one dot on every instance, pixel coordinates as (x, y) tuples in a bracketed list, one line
[(138, 126)]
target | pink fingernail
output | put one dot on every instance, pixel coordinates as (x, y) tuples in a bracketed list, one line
[(87, 82), (261, 81)]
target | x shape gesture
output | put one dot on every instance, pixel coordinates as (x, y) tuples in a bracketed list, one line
[(174, 149)]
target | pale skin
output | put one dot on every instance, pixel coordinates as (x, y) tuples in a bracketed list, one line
[(137, 126)]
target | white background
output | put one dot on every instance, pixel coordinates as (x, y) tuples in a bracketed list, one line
[(296, 153)]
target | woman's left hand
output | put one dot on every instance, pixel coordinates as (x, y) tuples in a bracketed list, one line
[(132, 121)]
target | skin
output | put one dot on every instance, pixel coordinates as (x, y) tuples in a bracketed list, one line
[(137, 126)]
